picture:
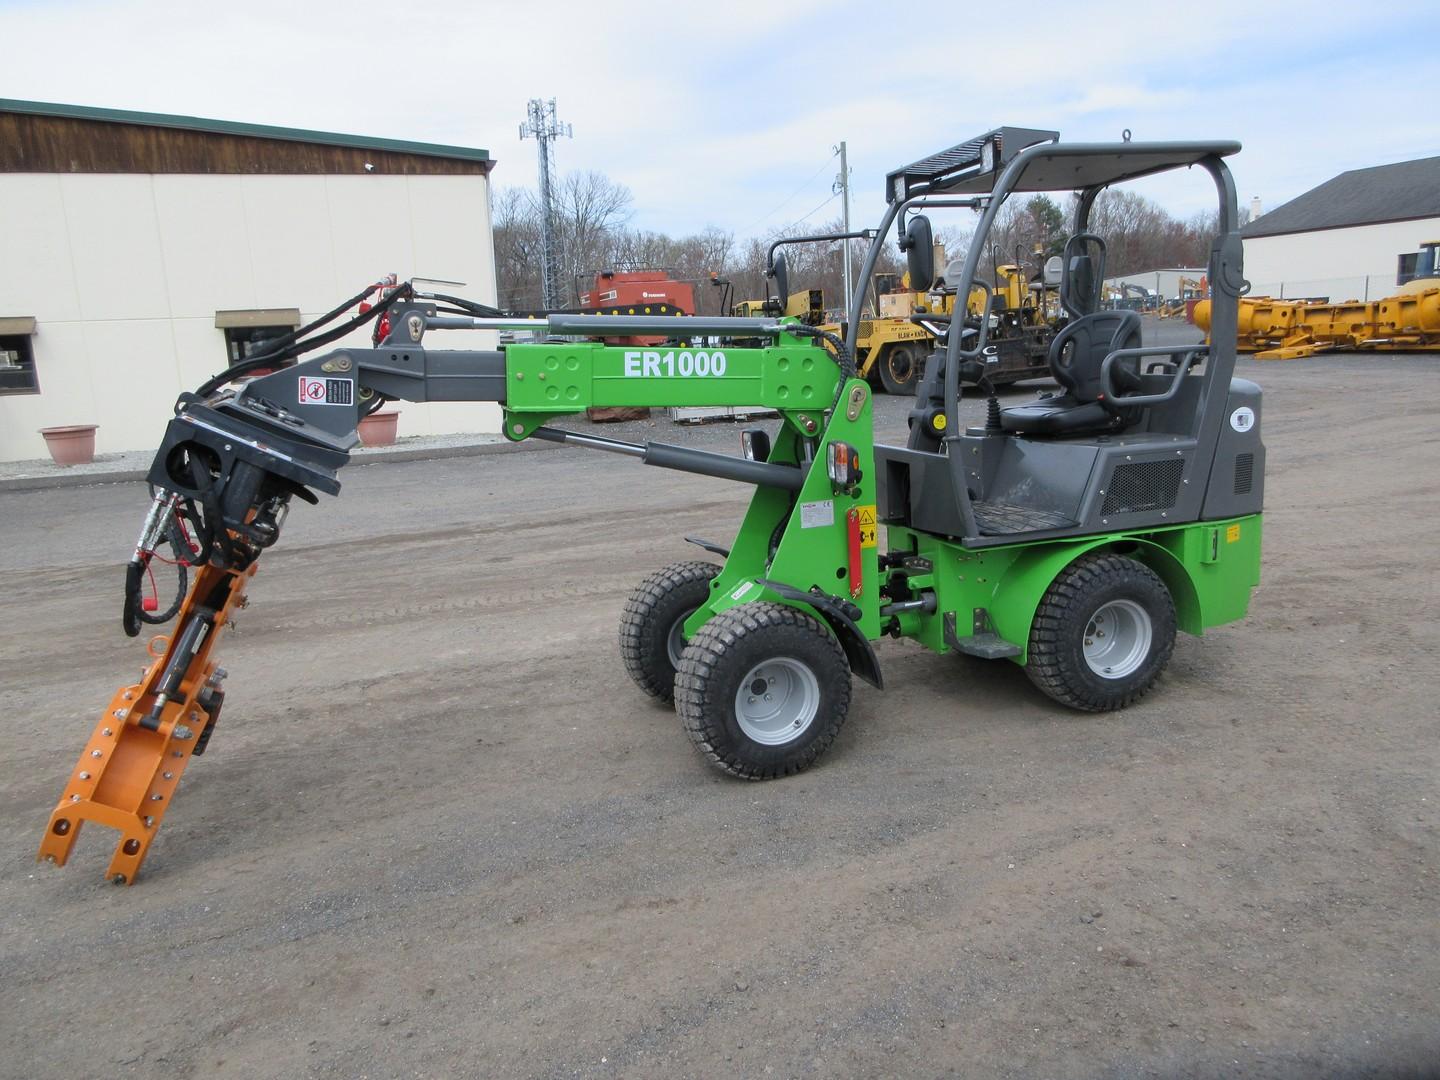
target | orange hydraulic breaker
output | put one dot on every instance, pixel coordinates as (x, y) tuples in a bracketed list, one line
[(127, 775)]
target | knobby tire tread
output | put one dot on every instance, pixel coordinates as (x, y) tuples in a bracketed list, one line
[(705, 704), (1055, 664)]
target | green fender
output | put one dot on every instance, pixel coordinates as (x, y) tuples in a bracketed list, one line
[(1020, 589)]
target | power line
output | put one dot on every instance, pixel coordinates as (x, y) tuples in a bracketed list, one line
[(789, 198), (800, 221)]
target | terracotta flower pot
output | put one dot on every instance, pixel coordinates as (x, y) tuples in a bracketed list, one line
[(73, 444), (378, 429)]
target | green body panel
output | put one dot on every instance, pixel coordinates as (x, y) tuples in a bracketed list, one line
[(1209, 568), (810, 537), (802, 540), (556, 378)]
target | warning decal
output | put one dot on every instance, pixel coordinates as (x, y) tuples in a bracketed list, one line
[(1232, 534), (326, 391), (869, 531)]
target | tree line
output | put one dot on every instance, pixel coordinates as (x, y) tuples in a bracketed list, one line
[(593, 233)]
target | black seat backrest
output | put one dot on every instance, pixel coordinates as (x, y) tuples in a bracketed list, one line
[(1079, 349)]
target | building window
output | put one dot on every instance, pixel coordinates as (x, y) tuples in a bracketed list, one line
[(243, 342), (247, 331), (17, 365)]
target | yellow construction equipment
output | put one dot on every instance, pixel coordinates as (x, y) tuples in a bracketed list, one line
[(891, 346), (1408, 321), (890, 350), (1190, 289)]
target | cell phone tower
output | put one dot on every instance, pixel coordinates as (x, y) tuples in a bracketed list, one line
[(542, 125)]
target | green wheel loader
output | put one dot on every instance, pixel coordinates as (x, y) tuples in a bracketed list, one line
[(1073, 535)]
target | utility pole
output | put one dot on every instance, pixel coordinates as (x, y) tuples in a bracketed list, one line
[(542, 125), (842, 185)]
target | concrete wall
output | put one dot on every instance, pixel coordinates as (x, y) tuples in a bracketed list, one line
[(1342, 264), (124, 274)]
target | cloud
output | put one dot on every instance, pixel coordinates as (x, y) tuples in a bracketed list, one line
[(725, 114)]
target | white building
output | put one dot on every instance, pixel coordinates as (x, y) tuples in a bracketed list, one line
[(139, 253), (1343, 239)]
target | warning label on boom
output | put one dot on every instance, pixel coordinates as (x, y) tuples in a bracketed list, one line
[(326, 391)]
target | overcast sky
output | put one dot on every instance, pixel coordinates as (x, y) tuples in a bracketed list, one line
[(725, 112)]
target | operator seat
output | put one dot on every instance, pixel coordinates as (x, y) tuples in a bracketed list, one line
[(1076, 354)]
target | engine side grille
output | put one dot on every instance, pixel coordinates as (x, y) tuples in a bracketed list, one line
[(1143, 485), (1244, 473)]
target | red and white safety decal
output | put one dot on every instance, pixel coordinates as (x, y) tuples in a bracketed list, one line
[(326, 391)]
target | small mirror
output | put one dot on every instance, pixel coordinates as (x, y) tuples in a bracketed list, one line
[(918, 243), (1080, 284), (1052, 270), (1083, 274), (780, 276)]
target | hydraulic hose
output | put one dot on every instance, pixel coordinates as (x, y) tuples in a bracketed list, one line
[(289, 346)]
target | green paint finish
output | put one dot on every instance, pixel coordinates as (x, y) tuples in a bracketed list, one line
[(809, 532), (803, 540), (563, 377), (1209, 568)]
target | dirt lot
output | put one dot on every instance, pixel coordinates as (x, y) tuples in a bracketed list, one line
[(439, 833)]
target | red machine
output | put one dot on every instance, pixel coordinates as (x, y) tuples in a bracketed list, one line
[(635, 292), (646, 291)]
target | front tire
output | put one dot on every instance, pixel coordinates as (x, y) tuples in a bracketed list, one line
[(763, 690), (1103, 633), (653, 622)]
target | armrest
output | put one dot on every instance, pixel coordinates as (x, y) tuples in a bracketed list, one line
[(1114, 400)]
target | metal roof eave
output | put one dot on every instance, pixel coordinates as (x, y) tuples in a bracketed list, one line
[(254, 131)]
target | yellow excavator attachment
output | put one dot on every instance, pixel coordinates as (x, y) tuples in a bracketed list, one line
[(1290, 329)]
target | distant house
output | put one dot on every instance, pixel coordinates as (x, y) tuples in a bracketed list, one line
[(1343, 239), (143, 252)]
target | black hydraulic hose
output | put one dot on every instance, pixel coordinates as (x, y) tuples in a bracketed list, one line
[(289, 346), (334, 313), (471, 307)]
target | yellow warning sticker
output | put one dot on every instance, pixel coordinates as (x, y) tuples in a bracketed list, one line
[(1232, 534), (869, 529)]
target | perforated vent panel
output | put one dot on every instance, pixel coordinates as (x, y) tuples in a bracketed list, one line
[(1143, 485), (1244, 473)]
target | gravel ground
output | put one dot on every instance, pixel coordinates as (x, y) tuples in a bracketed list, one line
[(441, 834)]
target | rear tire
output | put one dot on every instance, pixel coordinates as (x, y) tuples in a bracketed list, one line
[(900, 369), (763, 690), (651, 638), (1103, 633)]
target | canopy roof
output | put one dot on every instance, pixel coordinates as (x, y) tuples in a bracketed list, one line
[(1047, 164)]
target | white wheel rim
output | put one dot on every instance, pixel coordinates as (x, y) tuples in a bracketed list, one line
[(1117, 639), (777, 701)]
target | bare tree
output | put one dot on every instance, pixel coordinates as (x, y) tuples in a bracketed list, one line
[(592, 225), (590, 210), (1140, 235)]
